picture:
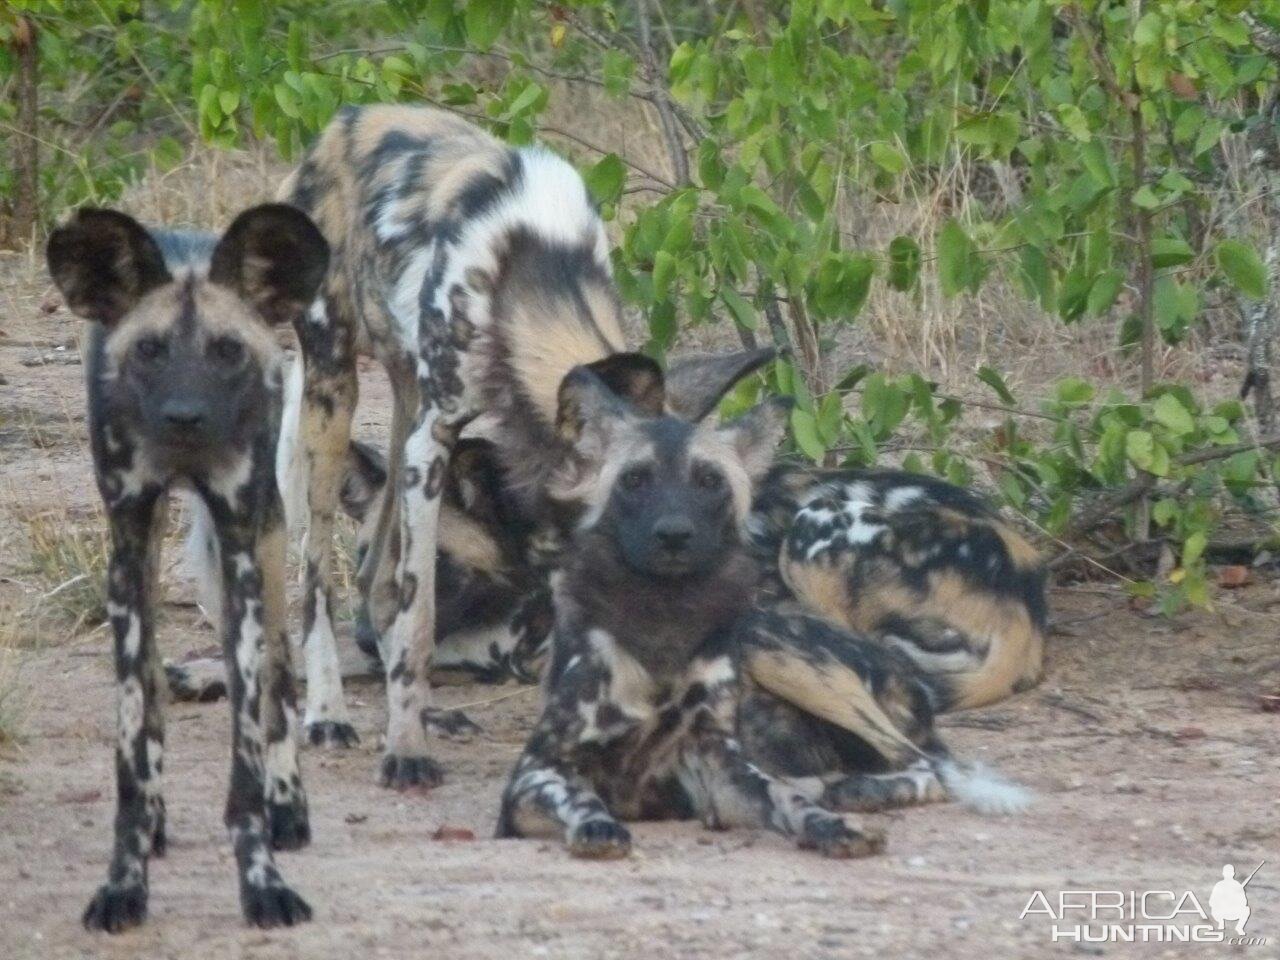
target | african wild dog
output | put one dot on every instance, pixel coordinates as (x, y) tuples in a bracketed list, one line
[(924, 566), (478, 275), (184, 388)]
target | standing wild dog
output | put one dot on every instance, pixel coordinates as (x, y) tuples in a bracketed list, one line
[(646, 690), (919, 564), (478, 275), (184, 386)]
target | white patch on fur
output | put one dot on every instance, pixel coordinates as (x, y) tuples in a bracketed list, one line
[(324, 675), (983, 790), (404, 302), (133, 636), (899, 497), (291, 465), (860, 533)]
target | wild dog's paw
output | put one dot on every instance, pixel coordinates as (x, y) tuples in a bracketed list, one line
[(450, 724), (408, 773), (332, 733), (199, 681), (600, 839), (290, 824), (272, 905), (863, 793), (116, 907), (833, 837)]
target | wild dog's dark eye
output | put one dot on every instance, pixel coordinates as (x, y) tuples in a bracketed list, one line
[(226, 350), (151, 348), (708, 477), (633, 478)]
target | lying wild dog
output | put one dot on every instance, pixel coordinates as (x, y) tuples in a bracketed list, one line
[(494, 609), (478, 275), (924, 566), (184, 388), (658, 659)]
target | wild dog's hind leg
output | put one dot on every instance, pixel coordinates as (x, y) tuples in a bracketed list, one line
[(139, 822), (264, 897), (286, 798), (727, 790), (406, 763), (329, 400)]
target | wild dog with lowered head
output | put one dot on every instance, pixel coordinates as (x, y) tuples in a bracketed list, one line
[(643, 687), (478, 275), (919, 564), (184, 386)]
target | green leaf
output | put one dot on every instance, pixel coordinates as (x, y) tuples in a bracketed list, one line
[(904, 263), (228, 100), (992, 379), (1105, 289), (959, 267), (1073, 391), (1193, 547), (887, 158), (742, 311), (606, 179), (1170, 252), (485, 20), (664, 270), (805, 429), (1146, 198), (1173, 415), (1139, 447), (1242, 266)]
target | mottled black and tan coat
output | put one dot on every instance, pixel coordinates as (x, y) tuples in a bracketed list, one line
[(478, 275), (184, 389), (670, 694)]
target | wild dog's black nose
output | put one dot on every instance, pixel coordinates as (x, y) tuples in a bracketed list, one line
[(674, 533), (183, 413)]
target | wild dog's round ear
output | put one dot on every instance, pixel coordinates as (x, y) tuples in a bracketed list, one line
[(104, 262), (756, 435), (274, 257), (694, 385), (587, 406), (635, 378)]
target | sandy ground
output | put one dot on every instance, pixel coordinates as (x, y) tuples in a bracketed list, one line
[(1151, 760)]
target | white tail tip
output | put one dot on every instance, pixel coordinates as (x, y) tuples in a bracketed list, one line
[(983, 790)]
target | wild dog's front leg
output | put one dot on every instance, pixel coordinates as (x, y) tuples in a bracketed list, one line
[(264, 897), (285, 795), (545, 796), (406, 763), (139, 823), (329, 400)]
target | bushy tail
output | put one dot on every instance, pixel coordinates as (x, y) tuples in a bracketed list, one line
[(982, 789), (827, 672), (291, 467)]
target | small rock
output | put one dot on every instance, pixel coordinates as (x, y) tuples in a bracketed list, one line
[(1189, 733), (50, 303), (1233, 577), (453, 833), (354, 818)]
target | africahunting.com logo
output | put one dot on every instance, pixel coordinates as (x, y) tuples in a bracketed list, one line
[(1149, 916)]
